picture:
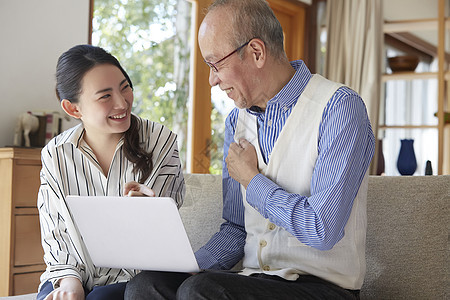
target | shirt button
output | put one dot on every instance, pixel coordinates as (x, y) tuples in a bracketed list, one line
[(263, 243), (266, 268), (271, 226), (269, 123)]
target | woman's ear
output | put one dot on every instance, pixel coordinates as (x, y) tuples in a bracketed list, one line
[(70, 108), (259, 54)]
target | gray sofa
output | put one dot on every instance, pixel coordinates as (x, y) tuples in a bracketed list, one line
[(407, 237)]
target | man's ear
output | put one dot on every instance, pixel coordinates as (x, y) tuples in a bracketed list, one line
[(259, 52), (70, 108)]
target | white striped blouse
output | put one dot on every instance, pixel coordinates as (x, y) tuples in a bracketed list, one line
[(69, 167), (345, 145)]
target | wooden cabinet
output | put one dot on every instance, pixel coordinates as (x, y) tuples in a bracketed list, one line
[(21, 254)]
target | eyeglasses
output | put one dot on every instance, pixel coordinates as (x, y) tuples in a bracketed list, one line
[(213, 66)]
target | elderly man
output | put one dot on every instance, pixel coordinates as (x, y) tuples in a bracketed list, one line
[(297, 151)]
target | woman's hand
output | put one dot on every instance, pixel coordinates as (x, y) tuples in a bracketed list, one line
[(133, 188), (70, 288)]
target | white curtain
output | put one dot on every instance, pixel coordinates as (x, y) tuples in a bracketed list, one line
[(354, 51)]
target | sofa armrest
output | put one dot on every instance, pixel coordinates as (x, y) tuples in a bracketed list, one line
[(21, 297)]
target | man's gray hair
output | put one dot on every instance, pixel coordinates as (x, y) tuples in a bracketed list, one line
[(253, 19)]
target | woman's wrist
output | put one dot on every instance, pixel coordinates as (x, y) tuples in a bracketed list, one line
[(69, 280)]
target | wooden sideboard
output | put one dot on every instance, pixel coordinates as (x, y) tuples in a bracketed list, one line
[(21, 254)]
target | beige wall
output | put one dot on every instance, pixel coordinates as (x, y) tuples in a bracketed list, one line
[(32, 36)]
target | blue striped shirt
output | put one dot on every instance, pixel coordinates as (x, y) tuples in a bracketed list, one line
[(345, 148)]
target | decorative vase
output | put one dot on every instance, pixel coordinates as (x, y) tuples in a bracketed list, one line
[(406, 162), (428, 168)]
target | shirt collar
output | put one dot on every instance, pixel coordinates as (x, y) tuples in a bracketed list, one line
[(75, 135), (290, 93)]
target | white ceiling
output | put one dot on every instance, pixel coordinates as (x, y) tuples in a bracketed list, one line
[(410, 9), (395, 10)]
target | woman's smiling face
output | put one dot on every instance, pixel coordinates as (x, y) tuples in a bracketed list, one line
[(105, 101)]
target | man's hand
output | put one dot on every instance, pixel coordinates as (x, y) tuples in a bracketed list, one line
[(70, 288), (242, 162), (133, 188)]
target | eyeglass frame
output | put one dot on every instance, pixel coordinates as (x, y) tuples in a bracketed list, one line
[(213, 66)]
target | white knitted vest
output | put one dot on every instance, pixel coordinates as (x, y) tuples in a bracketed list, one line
[(271, 249)]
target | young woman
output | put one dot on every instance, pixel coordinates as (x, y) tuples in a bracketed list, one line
[(112, 152)]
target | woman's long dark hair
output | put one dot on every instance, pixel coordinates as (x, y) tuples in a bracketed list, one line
[(70, 70)]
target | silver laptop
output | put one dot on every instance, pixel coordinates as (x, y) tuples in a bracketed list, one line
[(144, 233)]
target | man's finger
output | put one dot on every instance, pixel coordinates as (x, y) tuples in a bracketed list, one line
[(244, 143), (234, 147)]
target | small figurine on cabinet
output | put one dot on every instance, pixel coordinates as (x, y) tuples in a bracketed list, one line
[(26, 124)]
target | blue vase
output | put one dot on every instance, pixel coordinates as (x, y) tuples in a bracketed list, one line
[(406, 163)]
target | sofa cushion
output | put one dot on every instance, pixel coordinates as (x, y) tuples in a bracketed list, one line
[(202, 208), (407, 246)]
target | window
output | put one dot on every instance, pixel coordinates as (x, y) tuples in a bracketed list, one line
[(152, 40), (221, 107)]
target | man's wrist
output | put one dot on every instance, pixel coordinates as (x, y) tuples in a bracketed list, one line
[(249, 178), (259, 191)]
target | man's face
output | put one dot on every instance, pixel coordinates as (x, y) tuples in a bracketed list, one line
[(233, 75)]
